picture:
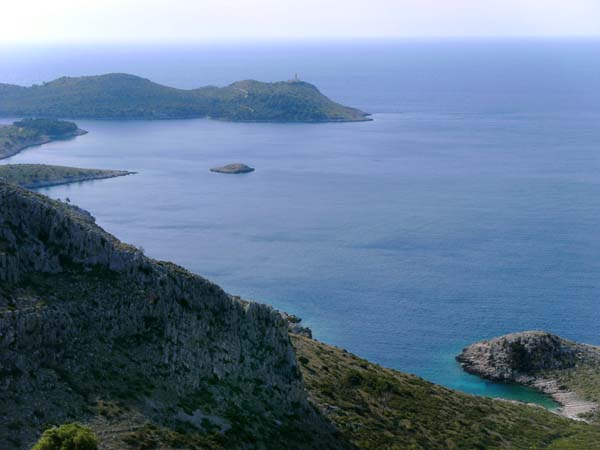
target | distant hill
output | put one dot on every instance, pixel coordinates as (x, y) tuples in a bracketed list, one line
[(123, 96)]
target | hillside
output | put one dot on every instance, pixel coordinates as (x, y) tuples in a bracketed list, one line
[(123, 96), (376, 408), (151, 356), (29, 132)]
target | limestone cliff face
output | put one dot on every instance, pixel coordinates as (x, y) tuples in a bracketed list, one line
[(85, 318)]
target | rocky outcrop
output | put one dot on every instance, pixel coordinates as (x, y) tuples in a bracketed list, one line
[(294, 325), (520, 355), (537, 359), (85, 318)]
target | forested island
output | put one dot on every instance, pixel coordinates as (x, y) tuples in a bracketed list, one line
[(124, 96), (34, 176), (126, 352), (29, 132)]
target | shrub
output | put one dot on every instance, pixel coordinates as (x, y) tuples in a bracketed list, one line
[(70, 436)]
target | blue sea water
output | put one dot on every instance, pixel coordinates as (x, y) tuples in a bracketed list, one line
[(468, 208)]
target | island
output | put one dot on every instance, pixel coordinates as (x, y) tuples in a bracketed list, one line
[(566, 370), (233, 168), (29, 132), (34, 176), (103, 342), (124, 96)]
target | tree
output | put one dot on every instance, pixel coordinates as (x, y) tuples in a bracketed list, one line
[(70, 436)]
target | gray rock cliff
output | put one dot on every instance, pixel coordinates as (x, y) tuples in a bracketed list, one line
[(88, 320)]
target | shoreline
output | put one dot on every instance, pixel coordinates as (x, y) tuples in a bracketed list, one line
[(572, 405), (114, 174)]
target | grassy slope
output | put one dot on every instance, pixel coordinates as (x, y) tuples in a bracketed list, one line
[(37, 175), (378, 408), (122, 96)]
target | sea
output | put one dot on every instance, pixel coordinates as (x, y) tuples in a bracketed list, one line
[(469, 207)]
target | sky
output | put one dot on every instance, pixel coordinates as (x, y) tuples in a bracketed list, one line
[(166, 21)]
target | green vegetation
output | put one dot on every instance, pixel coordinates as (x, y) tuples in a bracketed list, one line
[(28, 132), (39, 175), (122, 96), (71, 436), (378, 408), (47, 127)]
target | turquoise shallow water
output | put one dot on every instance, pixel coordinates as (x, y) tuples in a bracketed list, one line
[(467, 209)]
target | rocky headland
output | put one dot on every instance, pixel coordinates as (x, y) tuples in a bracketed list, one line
[(566, 370)]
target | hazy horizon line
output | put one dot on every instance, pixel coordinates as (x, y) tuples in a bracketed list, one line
[(313, 40)]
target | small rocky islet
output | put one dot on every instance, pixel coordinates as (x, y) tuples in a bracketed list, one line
[(235, 168)]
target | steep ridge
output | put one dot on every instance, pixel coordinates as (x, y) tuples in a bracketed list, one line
[(93, 330)]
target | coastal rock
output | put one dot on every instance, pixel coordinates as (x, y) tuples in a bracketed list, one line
[(519, 356), (233, 168)]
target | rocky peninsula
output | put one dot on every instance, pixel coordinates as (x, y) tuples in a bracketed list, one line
[(30, 132), (233, 168), (566, 370)]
